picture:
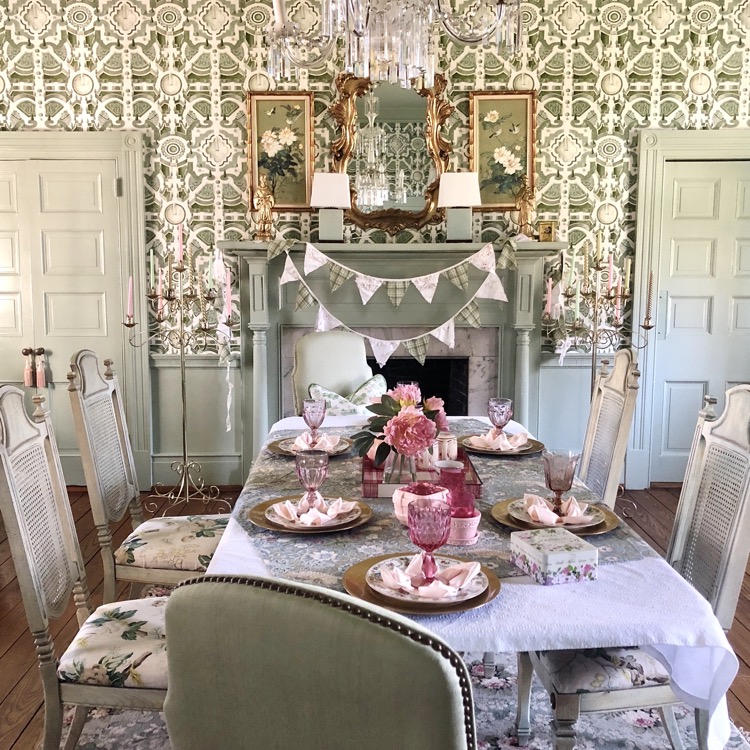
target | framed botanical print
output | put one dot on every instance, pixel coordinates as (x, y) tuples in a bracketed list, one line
[(501, 145), (280, 145)]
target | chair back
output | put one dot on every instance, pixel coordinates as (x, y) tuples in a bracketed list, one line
[(36, 512), (315, 669), (610, 419), (337, 360), (103, 437), (711, 536)]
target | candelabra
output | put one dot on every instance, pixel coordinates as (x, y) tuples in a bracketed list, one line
[(184, 319), (595, 301)]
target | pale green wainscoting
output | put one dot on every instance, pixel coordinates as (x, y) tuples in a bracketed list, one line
[(219, 452)]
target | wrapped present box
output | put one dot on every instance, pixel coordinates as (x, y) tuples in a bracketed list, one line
[(554, 555)]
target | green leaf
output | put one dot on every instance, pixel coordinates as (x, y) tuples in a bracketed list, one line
[(382, 409), (381, 453)]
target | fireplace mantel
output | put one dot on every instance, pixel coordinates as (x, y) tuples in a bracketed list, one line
[(267, 308)]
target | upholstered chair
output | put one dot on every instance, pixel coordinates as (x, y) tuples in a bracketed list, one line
[(118, 657), (709, 547), (264, 663), (159, 550), (608, 427), (334, 360)]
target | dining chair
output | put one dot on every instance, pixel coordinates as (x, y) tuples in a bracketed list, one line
[(117, 659), (315, 669), (335, 360), (608, 427), (162, 550), (709, 547)]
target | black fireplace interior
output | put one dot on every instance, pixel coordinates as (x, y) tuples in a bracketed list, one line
[(446, 377)]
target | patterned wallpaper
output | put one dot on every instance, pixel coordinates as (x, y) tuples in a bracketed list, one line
[(178, 71)]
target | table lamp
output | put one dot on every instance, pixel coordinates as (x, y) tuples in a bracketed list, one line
[(330, 193), (458, 192)]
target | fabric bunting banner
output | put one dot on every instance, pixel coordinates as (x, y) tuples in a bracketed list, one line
[(290, 272), (314, 259), (304, 298), (276, 247), (470, 315), (396, 290), (426, 285), (418, 348), (326, 321), (492, 288), (446, 333), (507, 257), (459, 275), (383, 349), (484, 260), (367, 286), (338, 275)]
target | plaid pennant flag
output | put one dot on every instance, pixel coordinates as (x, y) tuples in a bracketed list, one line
[(396, 290), (470, 315), (459, 275), (418, 348), (338, 275), (304, 298), (276, 247), (507, 257)]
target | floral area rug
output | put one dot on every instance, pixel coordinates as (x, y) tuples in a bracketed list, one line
[(495, 699)]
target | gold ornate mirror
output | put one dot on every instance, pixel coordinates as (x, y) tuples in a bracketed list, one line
[(349, 150)]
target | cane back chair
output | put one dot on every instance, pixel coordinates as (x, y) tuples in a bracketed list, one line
[(363, 677), (709, 547), (162, 550), (118, 657)]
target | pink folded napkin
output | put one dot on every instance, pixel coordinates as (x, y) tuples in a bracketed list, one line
[(320, 514), (323, 442), (541, 510), (447, 584), (497, 440)]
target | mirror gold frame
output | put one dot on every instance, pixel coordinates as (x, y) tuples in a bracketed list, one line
[(344, 112)]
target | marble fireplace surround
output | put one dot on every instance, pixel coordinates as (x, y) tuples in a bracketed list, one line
[(511, 351)]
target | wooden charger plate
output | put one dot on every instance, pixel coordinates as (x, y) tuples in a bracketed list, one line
[(257, 515), (532, 446), (499, 513), (356, 585), (275, 448)]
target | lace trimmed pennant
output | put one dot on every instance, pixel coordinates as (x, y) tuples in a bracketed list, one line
[(367, 286), (338, 275), (418, 348), (326, 321), (446, 333), (290, 272), (459, 275), (314, 259), (492, 288), (396, 290), (382, 350), (427, 285), (304, 298), (470, 315), (484, 260)]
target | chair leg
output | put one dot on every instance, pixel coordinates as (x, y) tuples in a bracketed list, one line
[(53, 719), (488, 661), (523, 699), (76, 727), (136, 590), (670, 727), (701, 728), (567, 709)]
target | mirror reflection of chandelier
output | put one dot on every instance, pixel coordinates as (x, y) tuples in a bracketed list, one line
[(386, 40)]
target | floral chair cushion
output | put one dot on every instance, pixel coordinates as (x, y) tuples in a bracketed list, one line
[(173, 543), (337, 405), (120, 645), (602, 669)]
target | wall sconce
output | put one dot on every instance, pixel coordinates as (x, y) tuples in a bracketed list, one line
[(459, 191), (330, 193)]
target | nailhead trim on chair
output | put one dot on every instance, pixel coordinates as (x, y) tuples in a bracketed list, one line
[(386, 622)]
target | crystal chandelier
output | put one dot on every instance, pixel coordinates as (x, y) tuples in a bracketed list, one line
[(387, 40), (370, 179)]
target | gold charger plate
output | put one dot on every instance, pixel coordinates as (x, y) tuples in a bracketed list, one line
[(532, 446), (500, 513), (355, 583), (257, 515), (276, 448)]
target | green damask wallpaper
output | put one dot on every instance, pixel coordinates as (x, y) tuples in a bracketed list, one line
[(179, 72)]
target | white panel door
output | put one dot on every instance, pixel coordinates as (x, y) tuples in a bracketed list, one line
[(65, 229), (703, 314)]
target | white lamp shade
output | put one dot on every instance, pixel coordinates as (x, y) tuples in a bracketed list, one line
[(459, 189), (330, 190)]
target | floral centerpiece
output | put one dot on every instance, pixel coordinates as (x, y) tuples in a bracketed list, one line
[(402, 427)]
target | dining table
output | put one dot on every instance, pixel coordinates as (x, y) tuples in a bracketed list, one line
[(637, 598)]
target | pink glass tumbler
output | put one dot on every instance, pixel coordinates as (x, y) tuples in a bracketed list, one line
[(429, 527), (453, 478)]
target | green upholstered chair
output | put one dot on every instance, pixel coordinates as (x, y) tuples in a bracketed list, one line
[(270, 664)]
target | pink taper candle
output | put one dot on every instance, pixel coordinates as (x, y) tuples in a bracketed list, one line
[(131, 308), (548, 306), (180, 248)]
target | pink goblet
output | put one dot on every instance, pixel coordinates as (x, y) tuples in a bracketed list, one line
[(559, 468), (312, 470), (429, 528), (314, 412), (500, 410)]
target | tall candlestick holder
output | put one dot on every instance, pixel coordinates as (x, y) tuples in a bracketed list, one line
[(592, 319), (184, 319)]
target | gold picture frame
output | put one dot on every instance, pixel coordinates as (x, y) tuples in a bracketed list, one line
[(280, 145), (502, 145), (547, 231)]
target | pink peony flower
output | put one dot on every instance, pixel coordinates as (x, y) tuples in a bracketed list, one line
[(434, 403), (410, 432), (406, 395)]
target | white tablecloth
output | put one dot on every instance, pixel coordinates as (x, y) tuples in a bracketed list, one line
[(642, 602)]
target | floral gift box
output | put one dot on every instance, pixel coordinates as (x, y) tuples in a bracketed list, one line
[(553, 555)]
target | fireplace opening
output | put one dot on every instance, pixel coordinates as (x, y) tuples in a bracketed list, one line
[(446, 377)]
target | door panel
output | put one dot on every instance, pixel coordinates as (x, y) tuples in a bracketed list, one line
[(703, 281)]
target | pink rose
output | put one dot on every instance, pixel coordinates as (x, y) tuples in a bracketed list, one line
[(406, 395), (434, 403), (410, 432)]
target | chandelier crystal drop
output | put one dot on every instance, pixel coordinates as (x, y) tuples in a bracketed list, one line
[(387, 40)]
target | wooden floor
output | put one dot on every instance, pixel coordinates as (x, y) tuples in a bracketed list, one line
[(21, 718)]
